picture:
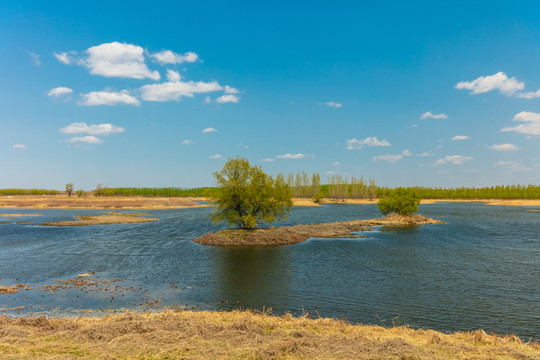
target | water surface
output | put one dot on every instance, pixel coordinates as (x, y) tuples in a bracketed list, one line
[(480, 269)]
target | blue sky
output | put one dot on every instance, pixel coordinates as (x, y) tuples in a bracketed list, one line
[(128, 94)]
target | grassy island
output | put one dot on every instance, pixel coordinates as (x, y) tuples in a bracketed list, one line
[(297, 233)]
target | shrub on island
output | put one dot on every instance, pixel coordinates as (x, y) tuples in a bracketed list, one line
[(400, 201)]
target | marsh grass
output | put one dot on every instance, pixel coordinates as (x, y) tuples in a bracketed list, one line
[(242, 335)]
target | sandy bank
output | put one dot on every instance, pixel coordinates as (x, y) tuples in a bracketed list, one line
[(297, 233), (241, 335), (112, 217), (92, 202), (500, 202)]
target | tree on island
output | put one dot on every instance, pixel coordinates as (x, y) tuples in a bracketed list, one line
[(246, 195), (400, 201), (69, 189)]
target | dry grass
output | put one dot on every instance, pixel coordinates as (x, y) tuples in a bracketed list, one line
[(91, 202), (499, 202), (241, 335), (112, 217), (18, 215), (297, 233)]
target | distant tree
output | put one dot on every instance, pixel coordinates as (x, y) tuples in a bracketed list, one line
[(80, 193), (400, 201), (246, 196), (69, 189), (99, 190)]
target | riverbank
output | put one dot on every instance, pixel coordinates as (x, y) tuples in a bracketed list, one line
[(500, 202), (101, 202), (285, 235), (242, 335), (141, 203)]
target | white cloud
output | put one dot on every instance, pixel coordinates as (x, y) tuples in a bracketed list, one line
[(19, 146), (216, 156), (187, 142), (529, 95), (513, 166), (291, 156), (60, 92), (369, 141), (268, 160), (173, 76), (85, 139), (430, 115), (209, 130), (101, 129), (231, 90), (460, 137), (169, 91), (336, 163), (531, 126), (392, 158), (168, 57), (207, 100), (35, 58), (110, 98), (425, 154), (454, 159), (498, 81), (65, 57), (504, 147), (227, 99), (388, 158), (118, 60), (333, 104)]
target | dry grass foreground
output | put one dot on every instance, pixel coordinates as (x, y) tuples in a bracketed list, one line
[(92, 202), (241, 335), (297, 233), (112, 217)]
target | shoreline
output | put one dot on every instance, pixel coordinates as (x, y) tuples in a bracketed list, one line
[(97, 203), (286, 235), (158, 203), (242, 334)]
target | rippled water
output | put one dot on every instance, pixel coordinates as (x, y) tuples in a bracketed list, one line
[(480, 269)]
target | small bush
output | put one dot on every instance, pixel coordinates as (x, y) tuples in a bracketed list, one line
[(80, 193), (400, 201)]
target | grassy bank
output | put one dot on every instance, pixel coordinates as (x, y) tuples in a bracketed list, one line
[(241, 335)]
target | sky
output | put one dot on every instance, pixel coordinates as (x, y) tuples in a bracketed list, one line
[(440, 94)]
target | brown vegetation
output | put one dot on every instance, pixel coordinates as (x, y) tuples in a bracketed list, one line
[(112, 217), (117, 202), (241, 335), (18, 215), (297, 233)]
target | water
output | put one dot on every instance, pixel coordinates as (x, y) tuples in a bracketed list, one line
[(479, 270)]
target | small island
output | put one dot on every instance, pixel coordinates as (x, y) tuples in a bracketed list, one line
[(112, 217), (285, 235), (246, 196)]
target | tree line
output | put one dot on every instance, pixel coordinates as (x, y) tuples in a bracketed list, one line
[(304, 185)]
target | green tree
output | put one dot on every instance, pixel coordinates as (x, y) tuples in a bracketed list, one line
[(400, 201), (80, 193), (246, 196), (69, 189)]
